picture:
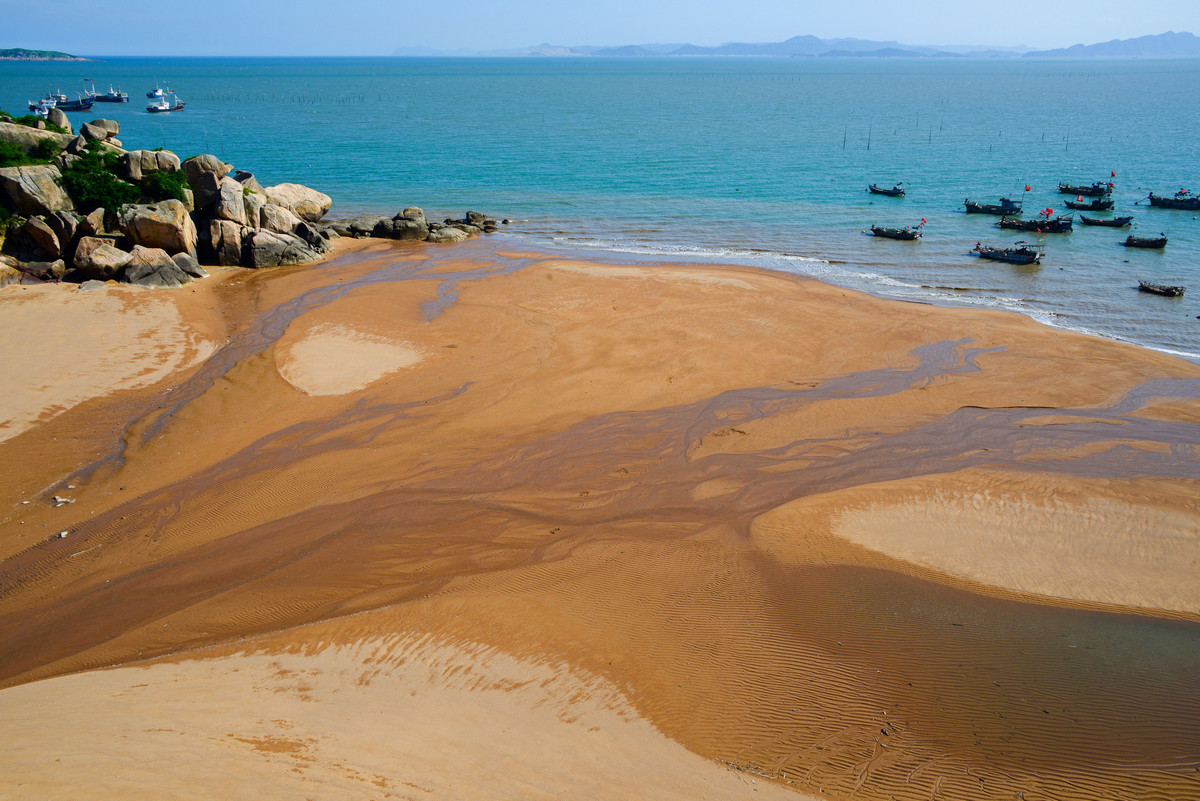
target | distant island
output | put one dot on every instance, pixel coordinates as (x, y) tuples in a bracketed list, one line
[(1164, 45), (21, 54)]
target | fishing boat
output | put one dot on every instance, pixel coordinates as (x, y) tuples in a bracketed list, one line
[(1098, 189), (1115, 222), (60, 101), (1161, 289), (1099, 204), (895, 191), (112, 96), (163, 104), (1041, 224), (157, 92), (1007, 207), (1181, 200), (42, 107), (907, 232), (1150, 242), (1016, 255)]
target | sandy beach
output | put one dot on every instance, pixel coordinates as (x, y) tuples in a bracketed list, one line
[(468, 523)]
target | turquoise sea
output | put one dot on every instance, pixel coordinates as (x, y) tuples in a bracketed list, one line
[(750, 161)]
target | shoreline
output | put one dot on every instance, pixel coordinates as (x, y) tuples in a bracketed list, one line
[(628, 474), (779, 261)]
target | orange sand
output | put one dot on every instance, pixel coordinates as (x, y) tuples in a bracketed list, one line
[(589, 530)]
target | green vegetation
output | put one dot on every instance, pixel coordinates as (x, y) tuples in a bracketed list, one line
[(13, 156), (92, 183), (165, 185)]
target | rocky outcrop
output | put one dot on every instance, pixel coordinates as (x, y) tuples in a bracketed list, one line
[(225, 240), (187, 262), (227, 219), (43, 237), (58, 117), (358, 227), (228, 203), (251, 184), (99, 258), (27, 138), (9, 275), (65, 225), (166, 225), (205, 163), (136, 164), (307, 204), (253, 203), (34, 191), (155, 268), (277, 219), (447, 235), (270, 249), (112, 127)]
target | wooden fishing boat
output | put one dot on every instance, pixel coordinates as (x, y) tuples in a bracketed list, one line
[(1115, 222), (1161, 289), (1007, 207), (1017, 255), (895, 191), (1098, 189), (1151, 242), (1099, 204), (906, 232), (1181, 200), (1042, 225)]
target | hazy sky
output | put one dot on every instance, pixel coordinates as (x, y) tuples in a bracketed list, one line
[(377, 27)]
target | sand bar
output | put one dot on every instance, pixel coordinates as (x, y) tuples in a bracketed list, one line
[(692, 504)]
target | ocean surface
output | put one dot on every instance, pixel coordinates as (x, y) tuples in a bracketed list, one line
[(749, 161)]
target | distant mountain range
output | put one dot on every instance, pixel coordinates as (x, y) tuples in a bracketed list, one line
[(1164, 45)]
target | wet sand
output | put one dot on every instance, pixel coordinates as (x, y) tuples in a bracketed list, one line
[(459, 522)]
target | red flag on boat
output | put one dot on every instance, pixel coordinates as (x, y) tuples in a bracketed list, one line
[(1113, 174), (922, 219), (1027, 189)]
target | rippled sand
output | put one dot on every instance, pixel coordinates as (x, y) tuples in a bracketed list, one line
[(461, 523)]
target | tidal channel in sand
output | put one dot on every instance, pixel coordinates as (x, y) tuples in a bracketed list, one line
[(784, 525)]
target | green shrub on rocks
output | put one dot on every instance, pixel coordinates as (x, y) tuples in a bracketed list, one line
[(13, 156), (92, 182), (165, 185)]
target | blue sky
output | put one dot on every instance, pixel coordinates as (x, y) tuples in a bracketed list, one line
[(378, 27)]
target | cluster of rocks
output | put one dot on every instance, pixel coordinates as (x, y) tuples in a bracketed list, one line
[(411, 224), (227, 218)]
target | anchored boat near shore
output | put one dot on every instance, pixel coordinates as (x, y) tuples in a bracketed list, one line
[(1006, 207), (1042, 224), (1181, 200), (1151, 242), (895, 191), (1166, 290), (1098, 189), (1017, 255), (908, 232), (1115, 222)]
